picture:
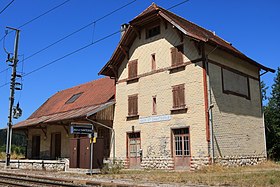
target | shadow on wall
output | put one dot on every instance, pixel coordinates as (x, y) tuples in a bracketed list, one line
[(228, 103)]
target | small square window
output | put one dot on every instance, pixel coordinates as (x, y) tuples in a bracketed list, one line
[(153, 31), (73, 98)]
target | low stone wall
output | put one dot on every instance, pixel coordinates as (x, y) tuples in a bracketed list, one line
[(47, 165), (198, 162), (157, 163), (233, 161)]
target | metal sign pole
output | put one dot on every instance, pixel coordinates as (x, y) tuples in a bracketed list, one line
[(91, 149)]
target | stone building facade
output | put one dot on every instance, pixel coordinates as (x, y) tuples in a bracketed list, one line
[(184, 96)]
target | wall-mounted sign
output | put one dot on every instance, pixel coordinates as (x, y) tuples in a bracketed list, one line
[(152, 119), (81, 129)]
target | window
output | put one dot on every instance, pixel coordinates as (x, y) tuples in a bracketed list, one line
[(73, 98), (181, 142), (132, 69), (153, 62), (154, 105), (177, 55), (152, 31), (178, 96), (235, 83), (133, 105)]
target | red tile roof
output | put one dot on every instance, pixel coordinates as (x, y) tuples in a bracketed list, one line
[(187, 27), (93, 93)]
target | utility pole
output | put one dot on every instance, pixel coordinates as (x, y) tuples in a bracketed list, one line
[(14, 61)]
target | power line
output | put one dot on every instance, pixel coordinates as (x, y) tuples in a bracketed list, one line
[(75, 32), (177, 4), (6, 7), (48, 11), (69, 54), (44, 13), (86, 46)]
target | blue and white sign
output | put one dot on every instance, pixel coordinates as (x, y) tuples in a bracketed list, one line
[(152, 119)]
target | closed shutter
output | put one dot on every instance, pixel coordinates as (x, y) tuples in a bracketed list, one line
[(132, 105), (132, 69), (178, 96), (177, 55)]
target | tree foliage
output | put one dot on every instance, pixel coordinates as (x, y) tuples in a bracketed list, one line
[(272, 120)]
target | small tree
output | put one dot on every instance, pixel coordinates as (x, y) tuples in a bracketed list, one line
[(272, 120)]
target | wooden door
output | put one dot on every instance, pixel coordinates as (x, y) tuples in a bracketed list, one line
[(35, 153), (74, 150), (84, 155), (98, 153), (55, 145), (134, 146), (181, 148)]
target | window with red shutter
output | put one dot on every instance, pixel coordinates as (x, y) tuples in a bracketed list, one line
[(154, 105), (132, 69), (153, 62), (133, 105), (177, 55), (178, 96)]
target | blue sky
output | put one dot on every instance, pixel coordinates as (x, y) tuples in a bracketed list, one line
[(252, 26)]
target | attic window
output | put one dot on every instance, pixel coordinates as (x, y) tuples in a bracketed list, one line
[(73, 98), (152, 31)]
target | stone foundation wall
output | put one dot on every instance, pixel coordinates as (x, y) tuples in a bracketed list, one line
[(46, 165), (157, 163), (233, 161), (198, 162)]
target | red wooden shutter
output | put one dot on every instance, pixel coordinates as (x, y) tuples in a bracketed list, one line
[(181, 96), (132, 105), (173, 56), (178, 96), (177, 55), (153, 61), (132, 69)]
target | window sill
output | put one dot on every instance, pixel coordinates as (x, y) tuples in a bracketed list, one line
[(132, 80), (177, 68), (179, 110), (132, 117)]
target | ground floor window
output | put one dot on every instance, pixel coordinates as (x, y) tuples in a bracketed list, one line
[(182, 142)]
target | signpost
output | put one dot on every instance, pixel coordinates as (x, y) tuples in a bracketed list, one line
[(82, 128)]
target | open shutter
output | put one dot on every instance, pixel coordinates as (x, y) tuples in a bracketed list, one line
[(179, 56), (173, 56), (181, 96)]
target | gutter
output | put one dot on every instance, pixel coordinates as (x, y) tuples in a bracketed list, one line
[(210, 105)]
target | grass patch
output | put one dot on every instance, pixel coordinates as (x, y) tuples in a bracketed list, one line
[(266, 174)]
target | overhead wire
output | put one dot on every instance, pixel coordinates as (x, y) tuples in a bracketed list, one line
[(177, 4), (39, 16), (75, 32), (86, 46), (6, 7), (68, 54)]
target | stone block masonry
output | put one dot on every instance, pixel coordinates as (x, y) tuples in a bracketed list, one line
[(45, 165)]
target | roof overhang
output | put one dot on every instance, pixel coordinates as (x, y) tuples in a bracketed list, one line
[(64, 116)]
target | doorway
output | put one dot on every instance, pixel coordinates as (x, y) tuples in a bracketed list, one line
[(35, 153), (55, 145), (134, 148), (181, 148)]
